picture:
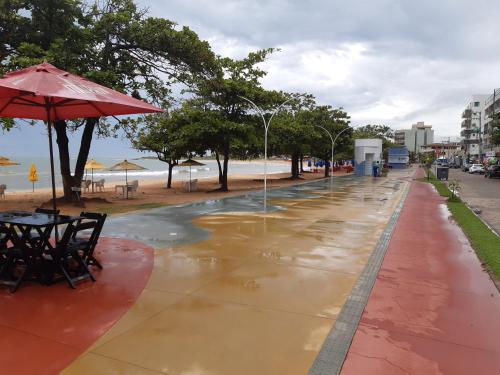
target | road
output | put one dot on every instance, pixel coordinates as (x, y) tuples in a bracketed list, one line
[(480, 192)]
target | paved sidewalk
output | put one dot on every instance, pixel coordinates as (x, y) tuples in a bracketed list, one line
[(433, 310)]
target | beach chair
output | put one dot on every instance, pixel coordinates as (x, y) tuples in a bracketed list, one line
[(2, 190), (133, 187), (99, 185), (86, 185)]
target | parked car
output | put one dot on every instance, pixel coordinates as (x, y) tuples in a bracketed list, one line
[(492, 171), (476, 168)]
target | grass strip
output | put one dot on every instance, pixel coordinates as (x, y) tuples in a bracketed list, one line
[(483, 240)]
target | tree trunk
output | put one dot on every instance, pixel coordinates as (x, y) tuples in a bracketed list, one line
[(69, 180), (223, 186), (170, 169), (301, 163), (64, 162), (295, 166), (327, 170), (220, 167)]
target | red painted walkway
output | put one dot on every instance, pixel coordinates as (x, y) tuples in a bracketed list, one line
[(433, 310), (44, 328)]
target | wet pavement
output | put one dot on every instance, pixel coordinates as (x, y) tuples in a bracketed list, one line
[(433, 309), (237, 291)]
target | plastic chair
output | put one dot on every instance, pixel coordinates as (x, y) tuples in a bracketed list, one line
[(3, 187)]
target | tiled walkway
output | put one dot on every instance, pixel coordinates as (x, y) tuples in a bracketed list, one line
[(433, 309)]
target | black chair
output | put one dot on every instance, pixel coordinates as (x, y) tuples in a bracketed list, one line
[(19, 254), (67, 258), (88, 244)]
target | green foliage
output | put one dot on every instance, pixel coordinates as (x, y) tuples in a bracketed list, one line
[(495, 129), (455, 187)]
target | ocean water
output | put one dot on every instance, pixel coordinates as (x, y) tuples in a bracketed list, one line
[(16, 177)]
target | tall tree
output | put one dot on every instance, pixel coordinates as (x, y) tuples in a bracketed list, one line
[(161, 135), (335, 121), (230, 130)]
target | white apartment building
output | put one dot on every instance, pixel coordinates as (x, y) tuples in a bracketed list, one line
[(491, 107), (419, 135), (473, 120)]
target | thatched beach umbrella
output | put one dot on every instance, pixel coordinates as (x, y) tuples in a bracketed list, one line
[(6, 162), (126, 166), (190, 163), (93, 164)]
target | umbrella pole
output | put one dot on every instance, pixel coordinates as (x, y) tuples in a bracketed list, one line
[(52, 173), (190, 179), (126, 183), (92, 180)]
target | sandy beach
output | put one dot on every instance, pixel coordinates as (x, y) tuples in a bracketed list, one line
[(151, 193)]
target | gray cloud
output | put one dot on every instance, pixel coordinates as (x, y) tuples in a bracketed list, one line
[(386, 61)]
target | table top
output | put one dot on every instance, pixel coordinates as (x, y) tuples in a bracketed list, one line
[(35, 219)]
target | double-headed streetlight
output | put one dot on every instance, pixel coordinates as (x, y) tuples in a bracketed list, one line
[(266, 128), (333, 144)]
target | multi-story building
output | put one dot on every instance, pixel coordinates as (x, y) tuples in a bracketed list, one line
[(473, 119), (491, 107), (419, 135)]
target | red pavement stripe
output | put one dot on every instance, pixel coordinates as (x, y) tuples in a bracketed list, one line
[(43, 329), (433, 310)]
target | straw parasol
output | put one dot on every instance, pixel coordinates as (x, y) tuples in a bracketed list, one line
[(33, 176), (6, 162), (93, 164), (190, 163), (126, 166)]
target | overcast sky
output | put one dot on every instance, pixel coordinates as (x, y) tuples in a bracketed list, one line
[(391, 62)]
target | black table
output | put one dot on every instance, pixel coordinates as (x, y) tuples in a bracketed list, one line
[(34, 231), (28, 222)]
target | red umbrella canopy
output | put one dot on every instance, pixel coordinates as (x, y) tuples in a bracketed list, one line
[(46, 90)]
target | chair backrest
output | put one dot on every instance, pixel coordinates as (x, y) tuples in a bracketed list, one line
[(99, 219), (69, 232), (2, 188), (100, 182), (86, 183), (47, 211)]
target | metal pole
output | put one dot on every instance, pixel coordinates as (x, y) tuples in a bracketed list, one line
[(52, 173), (266, 128)]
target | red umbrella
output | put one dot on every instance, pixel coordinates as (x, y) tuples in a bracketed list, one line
[(44, 92)]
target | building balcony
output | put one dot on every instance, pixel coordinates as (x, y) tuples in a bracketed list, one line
[(467, 113), (470, 141), (466, 123), (467, 132)]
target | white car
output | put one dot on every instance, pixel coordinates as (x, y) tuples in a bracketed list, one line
[(476, 168)]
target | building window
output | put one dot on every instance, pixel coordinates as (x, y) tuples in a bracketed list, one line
[(476, 104)]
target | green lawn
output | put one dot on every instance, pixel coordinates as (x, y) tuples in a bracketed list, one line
[(483, 240)]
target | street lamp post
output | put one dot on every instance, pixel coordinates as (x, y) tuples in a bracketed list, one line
[(266, 128), (333, 143)]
